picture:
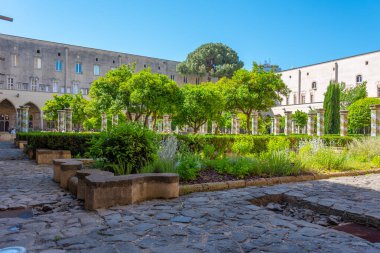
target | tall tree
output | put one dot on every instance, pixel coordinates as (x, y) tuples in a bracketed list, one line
[(359, 115), (200, 103), (331, 105), (211, 59), (300, 118), (151, 94), (255, 90)]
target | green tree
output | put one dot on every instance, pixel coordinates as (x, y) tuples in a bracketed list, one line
[(255, 90), (331, 105), (359, 115), (200, 103), (77, 102), (151, 94), (211, 59), (350, 95), (300, 118)]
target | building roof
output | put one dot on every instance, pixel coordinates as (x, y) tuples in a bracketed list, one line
[(338, 59)]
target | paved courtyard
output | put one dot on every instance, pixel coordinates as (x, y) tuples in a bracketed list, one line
[(223, 221)]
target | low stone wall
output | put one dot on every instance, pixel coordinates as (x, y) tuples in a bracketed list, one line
[(101, 189), (46, 156), (7, 137)]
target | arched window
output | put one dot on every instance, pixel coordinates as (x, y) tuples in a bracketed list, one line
[(314, 85), (359, 79)]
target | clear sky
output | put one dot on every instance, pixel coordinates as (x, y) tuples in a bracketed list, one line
[(290, 33)]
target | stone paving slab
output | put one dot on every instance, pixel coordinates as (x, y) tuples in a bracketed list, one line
[(223, 221)]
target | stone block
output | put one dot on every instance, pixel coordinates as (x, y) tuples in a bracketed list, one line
[(256, 182), (57, 169), (216, 186), (103, 191), (68, 170), (81, 174), (189, 188), (21, 144), (46, 156), (236, 184), (73, 185)]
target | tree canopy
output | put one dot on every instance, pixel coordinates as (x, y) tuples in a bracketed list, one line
[(359, 114), (300, 118), (255, 90), (200, 103), (211, 59), (331, 105), (352, 94)]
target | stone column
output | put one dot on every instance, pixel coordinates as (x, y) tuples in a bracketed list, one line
[(213, 127), (18, 114), (69, 119), (104, 123), (115, 120), (166, 127), (61, 120), (170, 124), (133, 116), (142, 119), (310, 123), (320, 122), (233, 116), (150, 123), (277, 124), (294, 127), (255, 123), (288, 123), (272, 126), (375, 120), (237, 125), (343, 122)]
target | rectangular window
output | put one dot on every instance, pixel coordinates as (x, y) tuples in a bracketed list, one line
[(197, 80), (185, 79), (37, 63), (33, 84), (311, 98), (172, 77), (14, 60), (287, 100), (62, 89), (78, 68), (96, 70), (75, 88), (295, 99), (55, 86), (23, 86), (68, 90), (10, 82), (303, 99), (58, 65)]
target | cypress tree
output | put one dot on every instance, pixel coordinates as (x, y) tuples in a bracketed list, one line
[(331, 105)]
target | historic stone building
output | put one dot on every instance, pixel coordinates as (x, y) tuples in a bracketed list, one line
[(309, 83), (31, 71)]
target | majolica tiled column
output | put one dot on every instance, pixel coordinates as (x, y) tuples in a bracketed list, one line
[(170, 124), (310, 123), (166, 127), (150, 123), (237, 125), (320, 122), (294, 127), (255, 123), (69, 119), (272, 126), (277, 124), (213, 126), (133, 116), (61, 120), (104, 123), (233, 116), (19, 119), (115, 120), (343, 122), (288, 123), (375, 120), (142, 119)]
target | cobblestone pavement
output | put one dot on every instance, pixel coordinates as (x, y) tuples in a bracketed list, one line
[(223, 221)]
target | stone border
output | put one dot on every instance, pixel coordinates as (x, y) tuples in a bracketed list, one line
[(219, 186), (46, 156)]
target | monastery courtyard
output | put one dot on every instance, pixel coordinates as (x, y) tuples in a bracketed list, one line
[(222, 221)]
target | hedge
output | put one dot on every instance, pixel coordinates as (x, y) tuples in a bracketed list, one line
[(79, 143)]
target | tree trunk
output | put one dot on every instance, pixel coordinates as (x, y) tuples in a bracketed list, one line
[(154, 120)]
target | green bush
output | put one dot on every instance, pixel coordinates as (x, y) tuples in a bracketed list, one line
[(243, 147), (236, 166), (188, 166), (126, 148), (364, 150), (278, 144), (359, 115), (279, 163)]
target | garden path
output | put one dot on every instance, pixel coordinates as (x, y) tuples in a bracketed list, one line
[(223, 221)]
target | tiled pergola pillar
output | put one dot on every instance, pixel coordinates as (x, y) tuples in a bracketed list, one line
[(310, 124), (213, 126), (343, 122), (115, 120), (25, 118), (103, 127), (133, 116), (166, 126), (255, 123), (69, 119), (61, 120), (233, 116), (288, 123), (150, 123), (237, 125), (294, 127), (375, 120), (320, 122), (19, 119), (276, 124), (272, 125)]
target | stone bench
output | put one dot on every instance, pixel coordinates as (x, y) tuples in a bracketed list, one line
[(103, 192), (46, 156), (20, 144), (82, 174)]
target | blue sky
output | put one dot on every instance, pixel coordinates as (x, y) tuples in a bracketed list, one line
[(289, 33)]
